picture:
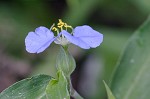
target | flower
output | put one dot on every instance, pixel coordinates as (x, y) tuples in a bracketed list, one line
[(82, 36)]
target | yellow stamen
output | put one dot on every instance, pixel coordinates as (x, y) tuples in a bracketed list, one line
[(54, 29), (61, 25), (68, 26)]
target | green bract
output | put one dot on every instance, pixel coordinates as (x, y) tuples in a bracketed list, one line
[(65, 62), (58, 88)]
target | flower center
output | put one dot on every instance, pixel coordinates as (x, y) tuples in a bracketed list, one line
[(60, 26)]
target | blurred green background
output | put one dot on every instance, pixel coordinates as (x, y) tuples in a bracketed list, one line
[(116, 20)]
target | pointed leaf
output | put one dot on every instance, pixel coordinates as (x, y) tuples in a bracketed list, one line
[(131, 79), (109, 93), (30, 88)]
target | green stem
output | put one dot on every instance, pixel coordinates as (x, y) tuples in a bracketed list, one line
[(72, 91), (70, 88)]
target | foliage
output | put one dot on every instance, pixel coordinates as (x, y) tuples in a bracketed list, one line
[(109, 93), (130, 80), (30, 88)]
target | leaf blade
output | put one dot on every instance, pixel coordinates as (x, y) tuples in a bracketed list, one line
[(131, 77), (30, 88)]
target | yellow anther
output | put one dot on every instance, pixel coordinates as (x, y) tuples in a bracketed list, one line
[(67, 26), (54, 28), (60, 23), (59, 26)]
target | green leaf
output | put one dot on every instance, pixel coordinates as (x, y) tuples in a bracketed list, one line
[(58, 88), (30, 88), (109, 93), (131, 79), (65, 62)]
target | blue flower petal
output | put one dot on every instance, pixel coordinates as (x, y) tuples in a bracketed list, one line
[(75, 40), (91, 37), (39, 40)]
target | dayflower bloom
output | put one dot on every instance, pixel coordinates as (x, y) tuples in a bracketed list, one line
[(82, 36)]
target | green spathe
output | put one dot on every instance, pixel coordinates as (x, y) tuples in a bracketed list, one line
[(65, 62), (58, 88)]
